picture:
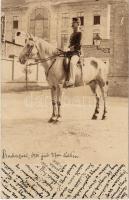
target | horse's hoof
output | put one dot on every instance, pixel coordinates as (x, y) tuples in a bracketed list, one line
[(55, 122), (94, 117), (52, 119), (104, 117), (97, 112), (58, 119)]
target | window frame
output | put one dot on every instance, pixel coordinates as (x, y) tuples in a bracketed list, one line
[(15, 22), (45, 21), (65, 21), (81, 15), (97, 15)]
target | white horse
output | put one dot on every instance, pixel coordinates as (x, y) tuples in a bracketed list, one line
[(93, 73)]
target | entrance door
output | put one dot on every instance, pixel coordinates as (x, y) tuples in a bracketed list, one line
[(39, 23)]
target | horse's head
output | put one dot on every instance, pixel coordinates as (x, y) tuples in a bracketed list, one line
[(29, 51)]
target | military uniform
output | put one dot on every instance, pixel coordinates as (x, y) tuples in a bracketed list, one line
[(75, 51), (75, 41)]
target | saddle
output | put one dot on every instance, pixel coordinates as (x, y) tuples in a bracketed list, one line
[(66, 64)]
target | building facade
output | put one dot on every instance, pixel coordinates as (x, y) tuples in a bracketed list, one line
[(51, 20)]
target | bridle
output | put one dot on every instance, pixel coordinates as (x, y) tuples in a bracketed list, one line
[(28, 54), (30, 48)]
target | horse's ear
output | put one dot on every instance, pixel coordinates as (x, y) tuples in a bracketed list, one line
[(30, 36)]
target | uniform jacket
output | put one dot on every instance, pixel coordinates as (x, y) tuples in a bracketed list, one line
[(75, 40)]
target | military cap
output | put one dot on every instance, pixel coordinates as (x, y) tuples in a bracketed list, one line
[(76, 19)]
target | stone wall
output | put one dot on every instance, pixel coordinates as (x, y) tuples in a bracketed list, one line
[(119, 50)]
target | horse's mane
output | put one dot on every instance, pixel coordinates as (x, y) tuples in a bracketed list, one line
[(48, 48)]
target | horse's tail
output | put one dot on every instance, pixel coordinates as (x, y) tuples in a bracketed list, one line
[(104, 70)]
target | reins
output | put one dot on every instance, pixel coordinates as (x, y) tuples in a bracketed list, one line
[(45, 59), (62, 54), (50, 67)]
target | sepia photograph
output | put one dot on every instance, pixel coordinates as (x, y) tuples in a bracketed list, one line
[(64, 99)]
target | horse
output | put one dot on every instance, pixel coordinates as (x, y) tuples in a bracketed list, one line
[(93, 73)]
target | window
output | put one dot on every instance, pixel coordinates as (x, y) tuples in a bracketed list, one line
[(96, 19), (15, 22), (82, 21), (65, 21), (81, 16), (39, 23)]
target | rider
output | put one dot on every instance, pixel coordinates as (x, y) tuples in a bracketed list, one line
[(75, 50)]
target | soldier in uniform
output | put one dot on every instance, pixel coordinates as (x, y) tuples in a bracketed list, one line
[(75, 50)]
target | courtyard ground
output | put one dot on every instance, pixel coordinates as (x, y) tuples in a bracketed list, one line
[(25, 126)]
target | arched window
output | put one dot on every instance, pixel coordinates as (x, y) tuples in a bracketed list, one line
[(39, 23)]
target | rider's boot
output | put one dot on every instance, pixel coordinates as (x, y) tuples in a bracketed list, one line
[(71, 81)]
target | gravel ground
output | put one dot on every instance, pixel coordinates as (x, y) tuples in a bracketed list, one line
[(25, 126)]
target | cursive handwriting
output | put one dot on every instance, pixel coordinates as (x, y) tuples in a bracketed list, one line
[(56, 180)]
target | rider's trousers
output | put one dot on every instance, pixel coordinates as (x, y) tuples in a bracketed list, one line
[(73, 66)]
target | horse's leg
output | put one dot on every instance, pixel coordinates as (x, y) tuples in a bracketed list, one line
[(104, 95), (95, 89), (59, 96), (96, 112), (53, 96)]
